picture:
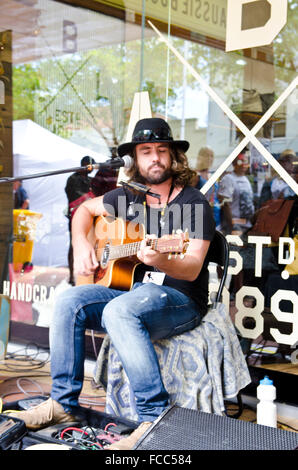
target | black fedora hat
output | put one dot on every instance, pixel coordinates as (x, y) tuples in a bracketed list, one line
[(151, 130)]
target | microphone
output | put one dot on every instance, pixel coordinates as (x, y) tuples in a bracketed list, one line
[(139, 188), (116, 162)]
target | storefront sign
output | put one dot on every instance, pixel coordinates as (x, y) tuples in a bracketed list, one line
[(240, 34), (241, 23), (206, 17)]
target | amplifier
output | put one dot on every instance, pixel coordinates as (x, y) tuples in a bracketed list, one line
[(184, 429)]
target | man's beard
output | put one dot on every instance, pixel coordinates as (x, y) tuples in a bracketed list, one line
[(158, 178)]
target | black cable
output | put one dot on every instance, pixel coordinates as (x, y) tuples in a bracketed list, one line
[(31, 358)]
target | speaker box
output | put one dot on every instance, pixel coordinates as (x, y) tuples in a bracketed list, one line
[(184, 429)]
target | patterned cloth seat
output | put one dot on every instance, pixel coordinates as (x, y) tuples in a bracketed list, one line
[(200, 368)]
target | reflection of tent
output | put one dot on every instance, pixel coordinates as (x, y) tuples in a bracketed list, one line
[(36, 150)]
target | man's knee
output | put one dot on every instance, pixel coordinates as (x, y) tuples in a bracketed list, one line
[(116, 311), (66, 299)]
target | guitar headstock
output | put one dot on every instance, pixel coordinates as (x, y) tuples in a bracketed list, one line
[(174, 244)]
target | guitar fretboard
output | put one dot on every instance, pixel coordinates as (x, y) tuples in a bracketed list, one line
[(130, 249), (122, 251)]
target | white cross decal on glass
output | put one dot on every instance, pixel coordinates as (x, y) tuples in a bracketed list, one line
[(249, 134)]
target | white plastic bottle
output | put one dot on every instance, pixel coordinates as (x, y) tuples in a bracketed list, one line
[(266, 408)]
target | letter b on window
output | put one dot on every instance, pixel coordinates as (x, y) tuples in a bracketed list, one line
[(252, 23), (70, 35)]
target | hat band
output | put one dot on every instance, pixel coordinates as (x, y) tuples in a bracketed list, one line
[(146, 135)]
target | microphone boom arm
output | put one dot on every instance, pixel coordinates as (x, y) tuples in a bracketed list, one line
[(115, 162), (8, 179)]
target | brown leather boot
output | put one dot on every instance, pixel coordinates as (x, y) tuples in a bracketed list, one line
[(127, 443), (45, 414)]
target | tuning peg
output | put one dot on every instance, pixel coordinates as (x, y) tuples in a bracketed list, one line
[(170, 256), (182, 255)]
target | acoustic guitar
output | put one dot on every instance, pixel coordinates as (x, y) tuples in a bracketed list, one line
[(116, 243)]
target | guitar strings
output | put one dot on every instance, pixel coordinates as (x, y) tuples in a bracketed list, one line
[(128, 249)]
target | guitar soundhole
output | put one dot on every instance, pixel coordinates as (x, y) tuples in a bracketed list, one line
[(99, 274)]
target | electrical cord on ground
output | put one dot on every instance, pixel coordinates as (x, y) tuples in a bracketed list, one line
[(23, 361), (28, 392), (31, 359), (89, 438)]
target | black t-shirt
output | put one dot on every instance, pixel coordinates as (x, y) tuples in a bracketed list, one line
[(188, 210)]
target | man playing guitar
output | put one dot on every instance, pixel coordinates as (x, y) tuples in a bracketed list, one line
[(168, 295)]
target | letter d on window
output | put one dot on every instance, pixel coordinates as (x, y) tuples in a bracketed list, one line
[(238, 37)]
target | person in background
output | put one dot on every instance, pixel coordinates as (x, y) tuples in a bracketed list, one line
[(235, 194), (204, 163), (21, 199), (78, 188), (236, 197), (105, 179), (277, 188)]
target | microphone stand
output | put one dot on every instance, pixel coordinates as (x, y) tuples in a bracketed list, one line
[(9, 179)]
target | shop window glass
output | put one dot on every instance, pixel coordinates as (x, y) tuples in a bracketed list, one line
[(75, 72)]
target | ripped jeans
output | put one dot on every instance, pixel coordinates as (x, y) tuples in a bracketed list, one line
[(132, 319)]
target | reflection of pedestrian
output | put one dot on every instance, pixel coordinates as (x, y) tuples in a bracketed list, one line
[(236, 196), (105, 180), (204, 163), (78, 184), (277, 188), (78, 189), (21, 199)]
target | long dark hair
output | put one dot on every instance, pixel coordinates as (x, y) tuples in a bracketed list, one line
[(181, 173)]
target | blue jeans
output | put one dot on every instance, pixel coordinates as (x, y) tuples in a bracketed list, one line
[(132, 319)]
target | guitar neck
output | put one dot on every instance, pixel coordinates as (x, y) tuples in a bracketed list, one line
[(123, 251), (157, 244)]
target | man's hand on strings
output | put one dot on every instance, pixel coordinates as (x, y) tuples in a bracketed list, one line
[(146, 254)]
